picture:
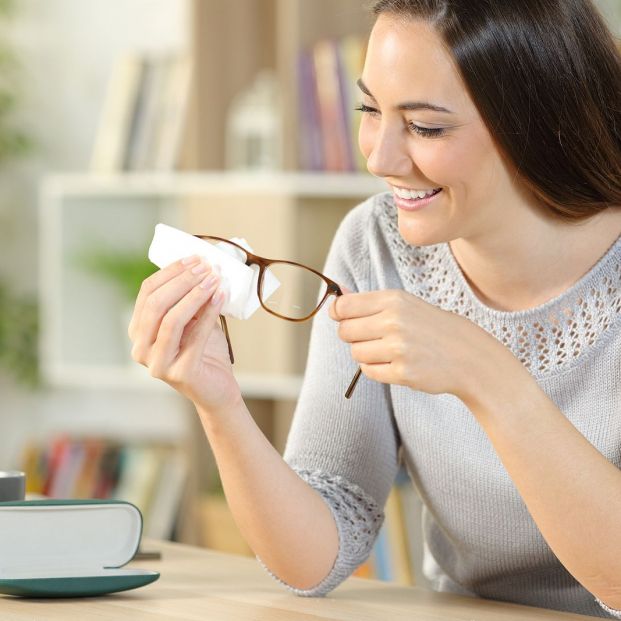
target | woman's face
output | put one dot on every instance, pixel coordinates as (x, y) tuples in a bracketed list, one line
[(421, 132)]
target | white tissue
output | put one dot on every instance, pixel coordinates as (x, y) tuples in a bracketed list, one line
[(239, 281)]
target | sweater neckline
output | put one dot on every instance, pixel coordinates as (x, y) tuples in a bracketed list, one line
[(548, 339), (580, 286)]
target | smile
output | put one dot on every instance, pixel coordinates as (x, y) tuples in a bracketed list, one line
[(414, 200), (415, 194)]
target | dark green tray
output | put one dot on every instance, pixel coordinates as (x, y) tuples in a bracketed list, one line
[(83, 586)]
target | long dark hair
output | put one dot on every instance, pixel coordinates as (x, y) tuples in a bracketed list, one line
[(545, 76)]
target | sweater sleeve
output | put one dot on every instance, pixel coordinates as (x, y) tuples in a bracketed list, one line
[(346, 449), (615, 614)]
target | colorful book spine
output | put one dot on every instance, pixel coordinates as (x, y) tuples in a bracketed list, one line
[(327, 93), (144, 114), (153, 477), (311, 139)]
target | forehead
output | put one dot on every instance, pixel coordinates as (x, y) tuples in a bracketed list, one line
[(408, 59)]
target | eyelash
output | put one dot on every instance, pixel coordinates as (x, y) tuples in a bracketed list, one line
[(425, 132)]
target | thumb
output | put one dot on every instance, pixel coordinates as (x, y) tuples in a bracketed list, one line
[(345, 289)]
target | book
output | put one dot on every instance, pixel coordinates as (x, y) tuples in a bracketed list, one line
[(140, 468), (173, 113), (86, 480), (412, 515), (333, 124), (382, 561), (311, 139), (137, 137), (398, 538), (117, 115), (167, 496), (351, 51)]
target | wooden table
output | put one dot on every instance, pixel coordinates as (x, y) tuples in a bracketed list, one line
[(201, 585)]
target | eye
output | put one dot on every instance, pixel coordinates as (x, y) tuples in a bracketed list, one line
[(427, 132), (367, 109)]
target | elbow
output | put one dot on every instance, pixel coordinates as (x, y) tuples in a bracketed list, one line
[(607, 590), (611, 598)]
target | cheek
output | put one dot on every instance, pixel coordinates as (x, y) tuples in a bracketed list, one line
[(474, 161), (366, 136), (435, 159)]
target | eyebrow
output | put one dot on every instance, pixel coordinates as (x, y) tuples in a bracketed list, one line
[(410, 105)]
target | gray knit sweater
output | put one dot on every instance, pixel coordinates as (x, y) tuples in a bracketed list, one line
[(479, 537)]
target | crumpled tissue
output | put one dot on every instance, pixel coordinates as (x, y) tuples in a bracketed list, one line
[(238, 280)]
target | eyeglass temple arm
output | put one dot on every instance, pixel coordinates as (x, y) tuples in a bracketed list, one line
[(334, 287), (352, 385), (225, 329)]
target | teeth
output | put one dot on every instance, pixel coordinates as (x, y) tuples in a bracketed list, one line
[(413, 194)]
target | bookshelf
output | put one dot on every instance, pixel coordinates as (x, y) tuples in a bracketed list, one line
[(286, 213), (84, 320), (254, 35), (84, 345)]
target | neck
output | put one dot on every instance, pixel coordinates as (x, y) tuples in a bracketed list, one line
[(512, 272)]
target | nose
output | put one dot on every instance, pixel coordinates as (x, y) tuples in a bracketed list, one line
[(388, 156)]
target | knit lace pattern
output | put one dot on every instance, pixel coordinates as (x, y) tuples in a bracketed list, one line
[(548, 339)]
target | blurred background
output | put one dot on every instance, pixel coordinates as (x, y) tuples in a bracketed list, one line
[(223, 117)]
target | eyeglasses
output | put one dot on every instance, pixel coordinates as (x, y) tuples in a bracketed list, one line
[(302, 291)]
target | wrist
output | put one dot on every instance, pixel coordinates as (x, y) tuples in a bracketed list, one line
[(215, 416), (496, 379)]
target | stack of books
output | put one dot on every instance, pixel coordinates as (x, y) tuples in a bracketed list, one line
[(153, 477), (143, 115), (328, 95)]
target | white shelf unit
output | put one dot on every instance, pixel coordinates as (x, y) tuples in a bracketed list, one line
[(83, 339)]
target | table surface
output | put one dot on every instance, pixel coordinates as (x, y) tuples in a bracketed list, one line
[(198, 584)]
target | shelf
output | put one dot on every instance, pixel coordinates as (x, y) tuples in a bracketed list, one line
[(253, 385), (319, 185), (83, 337)]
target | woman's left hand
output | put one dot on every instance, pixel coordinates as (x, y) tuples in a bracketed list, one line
[(397, 338)]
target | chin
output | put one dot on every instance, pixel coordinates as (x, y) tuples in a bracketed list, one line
[(418, 233)]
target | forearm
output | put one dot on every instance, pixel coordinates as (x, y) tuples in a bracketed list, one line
[(284, 520), (572, 492)]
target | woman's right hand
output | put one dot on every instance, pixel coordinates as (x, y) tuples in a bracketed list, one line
[(175, 334)]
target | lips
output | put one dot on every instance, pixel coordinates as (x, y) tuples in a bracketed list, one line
[(413, 204), (409, 193)]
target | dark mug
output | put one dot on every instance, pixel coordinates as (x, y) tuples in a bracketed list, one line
[(12, 485)]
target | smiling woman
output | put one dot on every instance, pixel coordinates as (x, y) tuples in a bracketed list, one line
[(482, 305), (549, 96)]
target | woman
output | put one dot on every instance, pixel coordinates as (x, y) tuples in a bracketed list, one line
[(484, 311)]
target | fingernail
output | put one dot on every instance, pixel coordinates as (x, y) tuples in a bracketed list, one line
[(209, 282), (200, 268), (189, 260)]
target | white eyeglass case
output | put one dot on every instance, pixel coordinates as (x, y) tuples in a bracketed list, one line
[(69, 548)]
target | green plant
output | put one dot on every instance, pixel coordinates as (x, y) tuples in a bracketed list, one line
[(14, 142), (19, 335), (126, 270), (19, 324)]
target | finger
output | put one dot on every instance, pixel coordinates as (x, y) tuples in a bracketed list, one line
[(371, 352), (178, 319), (155, 281), (160, 301), (362, 329), (350, 305), (197, 337), (382, 372)]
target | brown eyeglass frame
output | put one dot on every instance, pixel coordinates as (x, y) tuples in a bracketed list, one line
[(253, 259)]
